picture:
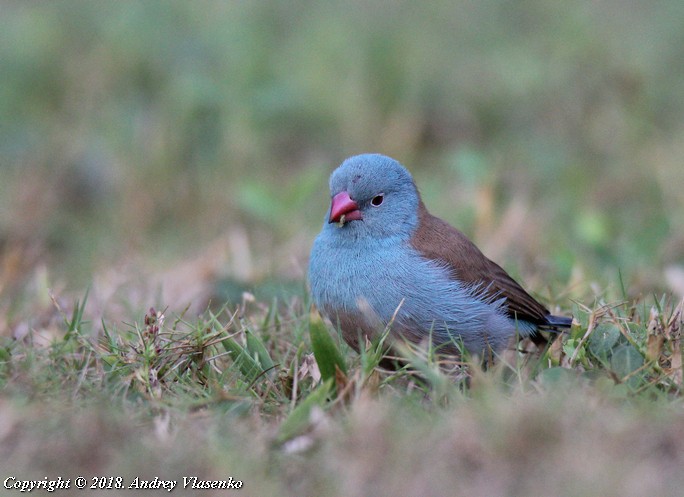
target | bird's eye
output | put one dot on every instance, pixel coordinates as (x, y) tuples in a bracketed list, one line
[(377, 200)]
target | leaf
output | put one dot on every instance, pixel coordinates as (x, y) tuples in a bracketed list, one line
[(326, 352), (557, 375), (625, 360), (574, 349), (603, 339)]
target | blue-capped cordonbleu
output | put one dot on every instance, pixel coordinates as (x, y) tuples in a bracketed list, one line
[(382, 259)]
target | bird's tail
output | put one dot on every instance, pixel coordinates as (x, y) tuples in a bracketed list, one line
[(556, 322)]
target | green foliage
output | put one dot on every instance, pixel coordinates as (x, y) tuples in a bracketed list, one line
[(603, 340), (327, 354), (247, 359), (231, 371)]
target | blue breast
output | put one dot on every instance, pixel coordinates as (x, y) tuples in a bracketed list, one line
[(350, 277)]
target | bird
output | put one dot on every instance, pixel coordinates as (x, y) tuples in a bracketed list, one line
[(382, 261)]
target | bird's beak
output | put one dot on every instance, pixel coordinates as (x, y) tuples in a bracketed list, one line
[(344, 209)]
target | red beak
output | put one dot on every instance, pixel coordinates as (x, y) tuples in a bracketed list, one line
[(343, 205)]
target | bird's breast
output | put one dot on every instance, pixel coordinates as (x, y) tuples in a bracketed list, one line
[(356, 278), (371, 288)]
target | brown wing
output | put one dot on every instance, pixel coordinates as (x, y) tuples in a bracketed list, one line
[(436, 239)]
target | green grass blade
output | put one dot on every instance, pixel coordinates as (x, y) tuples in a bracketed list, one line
[(76, 316), (299, 418), (257, 350), (248, 366), (325, 350)]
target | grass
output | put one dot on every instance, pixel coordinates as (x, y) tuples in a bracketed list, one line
[(173, 157), (265, 394)]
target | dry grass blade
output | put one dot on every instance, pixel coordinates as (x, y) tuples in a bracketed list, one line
[(673, 333), (655, 336)]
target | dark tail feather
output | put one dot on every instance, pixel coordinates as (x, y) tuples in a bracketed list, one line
[(552, 323), (556, 322)]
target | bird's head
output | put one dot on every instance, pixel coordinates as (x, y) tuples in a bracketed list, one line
[(373, 195)]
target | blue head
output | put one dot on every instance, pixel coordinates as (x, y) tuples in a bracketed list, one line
[(374, 197)]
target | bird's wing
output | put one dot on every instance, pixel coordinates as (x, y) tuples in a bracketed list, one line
[(436, 239)]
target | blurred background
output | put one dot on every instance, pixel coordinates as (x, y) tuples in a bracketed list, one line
[(186, 146)]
